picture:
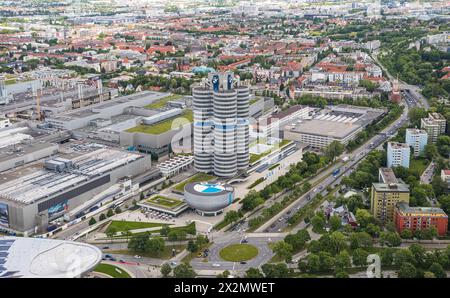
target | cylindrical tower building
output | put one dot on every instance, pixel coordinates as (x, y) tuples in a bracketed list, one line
[(221, 133), (225, 116), (242, 129), (203, 137)]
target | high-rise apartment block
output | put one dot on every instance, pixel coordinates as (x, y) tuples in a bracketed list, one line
[(221, 125), (384, 198), (398, 155), (434, 125), (417, 139)]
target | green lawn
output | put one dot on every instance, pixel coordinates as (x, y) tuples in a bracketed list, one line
[(418, 165), (163, 101), (189, 229), (238, 252), (111, 270), (164, 201), (199, 177), (121, 226), (161, 127), (165, 254)]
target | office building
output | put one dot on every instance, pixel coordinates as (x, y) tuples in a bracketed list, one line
[(434, 125), (340, 123), (221, 125), (385, 196), (419, 218), (398, 155), (417, 139), (270, 126)]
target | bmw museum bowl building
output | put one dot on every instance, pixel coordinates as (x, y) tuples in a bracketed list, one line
[(208, 199)]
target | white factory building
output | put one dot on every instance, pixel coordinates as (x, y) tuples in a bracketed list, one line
[(34, 195)]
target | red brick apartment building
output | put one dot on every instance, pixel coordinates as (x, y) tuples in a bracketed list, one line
[(416, 218)]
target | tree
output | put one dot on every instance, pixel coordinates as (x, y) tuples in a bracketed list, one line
[(416, 114), (165, 230), (387, 256), (333, 150), (403, 256), (360, 239), (335, 223), (341, 274), (359, 257), (156, 245), (192, 246), (437, 270), (184, 271), (338, 242), (407, 270), (431, 151), (283, 250), (92, 221), (173, 236), (139, 243), (224, 274), (298, 240), (318, 223), (418, 253), (406, 234), (110, 213), (232, 216), (102, 217), (390, 239), (363, 217), (326, 261), (313, 263), (118, 210), (342, 261), (428, 274), (279, 270), (166, 269), (110, 232), (253, 273)]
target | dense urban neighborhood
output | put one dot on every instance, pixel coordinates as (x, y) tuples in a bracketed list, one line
[(224, 138)]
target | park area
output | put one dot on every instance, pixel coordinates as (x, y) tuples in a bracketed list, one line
[(238, 252), (123, 226), (199, 177), (111, 270)]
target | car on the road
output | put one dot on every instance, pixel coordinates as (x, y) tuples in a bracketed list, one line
[(105, 247), (216, 265), (137, 257), (244, 241), (173, 263), (243, 262), (121, 261)]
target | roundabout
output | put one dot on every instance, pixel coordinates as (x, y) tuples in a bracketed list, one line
[(238, 252)]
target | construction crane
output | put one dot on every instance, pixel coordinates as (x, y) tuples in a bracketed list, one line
[(38, 103)]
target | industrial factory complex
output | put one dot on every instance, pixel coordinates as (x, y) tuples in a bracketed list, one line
[(32, 196)]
